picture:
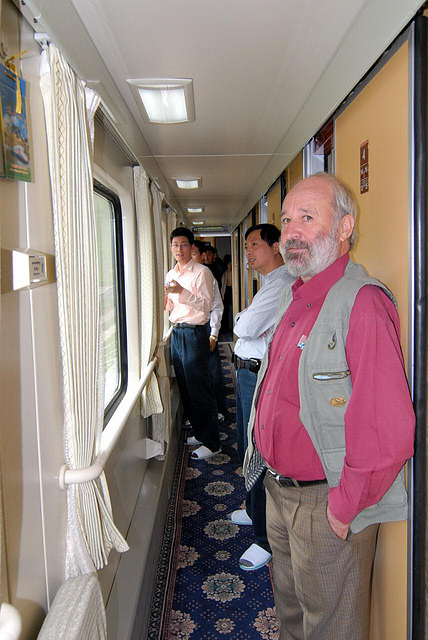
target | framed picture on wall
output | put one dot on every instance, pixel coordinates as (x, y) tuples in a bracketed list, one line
[(2, 158), (14, 126)]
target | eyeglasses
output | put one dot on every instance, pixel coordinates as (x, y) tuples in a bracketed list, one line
[(182, 245)]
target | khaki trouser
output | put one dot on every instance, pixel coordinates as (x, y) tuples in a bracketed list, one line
[(322, 584)]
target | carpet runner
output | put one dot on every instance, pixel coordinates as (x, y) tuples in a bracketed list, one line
[(201, 593)]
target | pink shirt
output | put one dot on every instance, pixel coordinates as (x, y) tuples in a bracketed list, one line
[(379, 420), (193, 305)]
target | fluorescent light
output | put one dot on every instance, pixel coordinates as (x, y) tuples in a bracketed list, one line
[(164, 104), (188, 183), (199, 222), (195, 209), (164, 100)]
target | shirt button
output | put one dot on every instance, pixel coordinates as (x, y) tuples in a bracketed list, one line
[(292, 324), (309, 305), (270, 391), (280, 357), (262, 426)]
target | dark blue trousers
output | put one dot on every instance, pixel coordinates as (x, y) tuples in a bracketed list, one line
[(256, 498), (190, 355), (217, 380)]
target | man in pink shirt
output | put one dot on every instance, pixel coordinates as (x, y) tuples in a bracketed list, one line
[(332, 422), (189, 299)]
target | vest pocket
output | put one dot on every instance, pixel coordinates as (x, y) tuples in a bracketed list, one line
[(334, 459), (324, 376)]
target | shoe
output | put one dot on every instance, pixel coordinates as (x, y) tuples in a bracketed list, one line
[(220, 417), (192, 440), (187, 425), (202, 453), (240, 516), (254, 558)]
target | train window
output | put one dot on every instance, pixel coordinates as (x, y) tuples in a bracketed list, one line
[(318, 153), (108, 216)]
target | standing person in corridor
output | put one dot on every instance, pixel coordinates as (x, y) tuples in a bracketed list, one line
[(189, 299), (198, 254), (337, 431), (252, 326)]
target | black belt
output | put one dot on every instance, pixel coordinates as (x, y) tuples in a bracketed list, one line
[(185, 325), (290, 482), (252, 363)]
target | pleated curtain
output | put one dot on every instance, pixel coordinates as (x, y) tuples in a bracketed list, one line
[(161, 422), (157, 198), (149, 285), (91, 533), (77, 612), (172, 224)]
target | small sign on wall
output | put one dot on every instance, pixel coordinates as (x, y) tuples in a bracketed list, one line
[(364, 167)]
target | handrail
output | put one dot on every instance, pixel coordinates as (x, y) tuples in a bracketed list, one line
[(10, 622), (111, 433)]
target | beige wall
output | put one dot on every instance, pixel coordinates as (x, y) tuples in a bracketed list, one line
[(249, 270), (30, 392), (236, 300), (379, 114), (294, 171), (274, 205)]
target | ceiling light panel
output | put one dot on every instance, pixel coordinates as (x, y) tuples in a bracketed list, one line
[(164, 100), (188, 183), (195, 209)]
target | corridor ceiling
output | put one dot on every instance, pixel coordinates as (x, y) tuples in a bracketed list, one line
[(266, 76)]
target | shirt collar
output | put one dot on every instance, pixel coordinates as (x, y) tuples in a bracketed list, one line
[(187, 267), (276, 272), (319, 285)]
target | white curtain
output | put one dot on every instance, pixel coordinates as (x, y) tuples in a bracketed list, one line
[(149, 284), (157, 197), (77, 612), (172, 224), (161, 422), (91, 532)]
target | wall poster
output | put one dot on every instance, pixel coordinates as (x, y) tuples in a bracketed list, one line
[(14, 126)]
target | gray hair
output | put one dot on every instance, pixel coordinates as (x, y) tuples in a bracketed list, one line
[(343, 202)]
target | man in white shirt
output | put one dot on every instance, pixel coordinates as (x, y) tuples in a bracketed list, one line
[(198, 253), (253, 326), (189, 299)]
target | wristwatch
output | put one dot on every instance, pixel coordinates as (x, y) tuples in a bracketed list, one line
[(214, 338)]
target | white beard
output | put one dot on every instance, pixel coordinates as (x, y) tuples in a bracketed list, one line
[(323, 251)]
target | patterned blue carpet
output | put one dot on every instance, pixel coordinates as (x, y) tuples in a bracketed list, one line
[(201, 592)]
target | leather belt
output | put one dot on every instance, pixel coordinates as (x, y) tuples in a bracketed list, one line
[(290, 482), (185, 325), (252, 363)]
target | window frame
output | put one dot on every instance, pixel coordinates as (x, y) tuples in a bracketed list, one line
[(113, 198)]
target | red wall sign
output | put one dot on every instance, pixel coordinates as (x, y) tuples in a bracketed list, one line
[(364, 167)]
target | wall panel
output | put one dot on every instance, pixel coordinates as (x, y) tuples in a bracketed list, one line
[(274, 205), (294, 171), (379, 114)]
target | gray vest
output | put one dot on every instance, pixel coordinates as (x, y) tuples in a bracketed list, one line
[(325, 389)]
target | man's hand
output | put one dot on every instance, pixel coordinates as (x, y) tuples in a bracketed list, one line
[(213, 343), (173, 287), (340, 529)]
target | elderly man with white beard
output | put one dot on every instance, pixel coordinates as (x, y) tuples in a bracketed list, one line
[(332, 422)]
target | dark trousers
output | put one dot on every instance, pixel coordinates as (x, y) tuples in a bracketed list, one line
[(227, 319), (217, 380), (256, 498), (190, 355)]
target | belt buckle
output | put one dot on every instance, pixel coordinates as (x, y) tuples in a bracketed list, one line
[(282, 481), (254, 365), (275, 475)]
